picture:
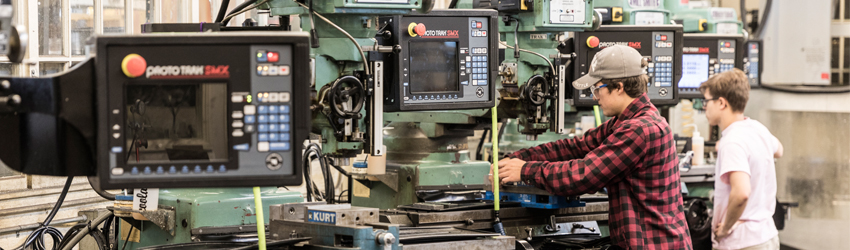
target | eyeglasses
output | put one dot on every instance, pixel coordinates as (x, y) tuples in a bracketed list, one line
[(701, 105), (595, 90)]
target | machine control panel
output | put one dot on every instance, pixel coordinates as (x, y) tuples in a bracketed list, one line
[(659, 44), (208, 110), (752, 62), (445, 60), (705, 55)]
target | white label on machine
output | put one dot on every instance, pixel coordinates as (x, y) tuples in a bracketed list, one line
[(567, 11), (145, 199), (644, 3), (727, 28), (384, 1), (723, 14), (649, 18)]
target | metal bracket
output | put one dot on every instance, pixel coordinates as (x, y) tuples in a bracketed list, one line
[(376, 123), (164, 217), (390, 178)]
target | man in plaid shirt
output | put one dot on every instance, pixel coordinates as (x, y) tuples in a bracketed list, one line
[(632, 154)]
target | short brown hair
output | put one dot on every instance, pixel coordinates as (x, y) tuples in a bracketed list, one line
[(732, 85), (634, 86)]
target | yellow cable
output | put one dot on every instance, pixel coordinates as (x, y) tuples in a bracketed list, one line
[(261, 221), (494, 131)]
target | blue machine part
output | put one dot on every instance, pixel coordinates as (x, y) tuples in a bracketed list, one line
[(537, 201)]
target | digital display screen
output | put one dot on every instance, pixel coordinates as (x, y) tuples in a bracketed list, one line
[(168, 123), (434, 67), (694, 70)]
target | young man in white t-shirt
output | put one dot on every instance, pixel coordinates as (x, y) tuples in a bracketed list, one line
[(745, 179)]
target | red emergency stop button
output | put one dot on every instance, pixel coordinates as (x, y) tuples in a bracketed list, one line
[(420, 29), (133, 65), (592, 41)]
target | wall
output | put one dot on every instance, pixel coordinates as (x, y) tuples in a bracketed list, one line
[(815, 131)]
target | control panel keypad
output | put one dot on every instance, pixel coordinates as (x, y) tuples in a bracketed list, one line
[(273, 125), (662, 73)]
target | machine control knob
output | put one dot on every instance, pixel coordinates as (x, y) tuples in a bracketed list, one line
[(133, 65), (592, 41), (662, 92), (274, 161)]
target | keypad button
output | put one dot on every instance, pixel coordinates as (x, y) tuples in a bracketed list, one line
[(284, 118), (279, 146), (284, 109), (273, 118), (263, 146), (250, 119), (263, 128), (263, 137), (274, 128), (274, 137), (263, 119), (273, 109), (284, 137), (263, 109), (285, 127)]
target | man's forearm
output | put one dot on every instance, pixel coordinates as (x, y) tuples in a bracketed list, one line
[(737, 204)]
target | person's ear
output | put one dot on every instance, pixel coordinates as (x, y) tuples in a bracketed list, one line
[(620, 89), (723, 103)]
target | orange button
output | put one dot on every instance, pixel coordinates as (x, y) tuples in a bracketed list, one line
[(133, 65), (592, 41)]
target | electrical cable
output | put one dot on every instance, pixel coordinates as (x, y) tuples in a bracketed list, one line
[(743, 12), (551, 67), (84, 231), (239, 7), (230, 16), (261, 224), (98, 236), (767, 6), (99, 191), (360, 49), (36, 238), (221, 10), (129, 232)]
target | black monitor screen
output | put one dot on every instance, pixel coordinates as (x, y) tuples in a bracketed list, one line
[(169, 123), (433, 67), (694, 70)]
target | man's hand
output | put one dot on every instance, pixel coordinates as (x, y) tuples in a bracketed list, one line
[(510, 170), (720, 232)]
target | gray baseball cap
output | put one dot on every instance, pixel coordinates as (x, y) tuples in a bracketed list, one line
[(617, 61)]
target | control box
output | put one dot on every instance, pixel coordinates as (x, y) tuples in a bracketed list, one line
[(703, 56), (202, 110), (661, 45), (752, 62), (446, 60)]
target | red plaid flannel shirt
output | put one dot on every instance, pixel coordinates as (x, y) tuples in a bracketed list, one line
[(634, 156)]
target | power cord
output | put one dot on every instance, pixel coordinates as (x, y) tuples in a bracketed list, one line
[(36, 238)]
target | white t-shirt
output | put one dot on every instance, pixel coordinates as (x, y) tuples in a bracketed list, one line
[(747, 146)]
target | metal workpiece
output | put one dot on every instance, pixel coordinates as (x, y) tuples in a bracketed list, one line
[(388, 236), (515, 219), (327, 236), (291, 211)]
